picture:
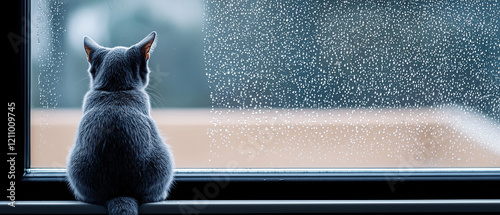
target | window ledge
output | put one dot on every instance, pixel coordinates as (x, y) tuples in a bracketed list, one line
[(264, 206)]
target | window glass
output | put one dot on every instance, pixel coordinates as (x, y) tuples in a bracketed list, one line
[(286, 84)]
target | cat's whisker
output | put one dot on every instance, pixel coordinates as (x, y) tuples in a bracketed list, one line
[(156, 95), (78, 82)]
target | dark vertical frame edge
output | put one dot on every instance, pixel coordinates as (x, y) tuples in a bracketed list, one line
[(26, 70), (16, 154)]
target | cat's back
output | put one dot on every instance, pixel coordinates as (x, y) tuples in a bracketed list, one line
[(116, 120)]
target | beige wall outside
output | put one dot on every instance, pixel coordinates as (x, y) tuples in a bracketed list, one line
[(202, 138)]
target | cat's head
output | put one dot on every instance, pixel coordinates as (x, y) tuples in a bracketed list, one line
[(119, 68)]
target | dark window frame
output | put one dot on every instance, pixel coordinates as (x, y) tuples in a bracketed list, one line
[(242, 184)]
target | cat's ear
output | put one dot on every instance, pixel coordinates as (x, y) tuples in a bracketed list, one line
[(89, 45), (146, 45)]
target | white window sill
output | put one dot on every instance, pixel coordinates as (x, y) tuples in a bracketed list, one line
[(264, 206)]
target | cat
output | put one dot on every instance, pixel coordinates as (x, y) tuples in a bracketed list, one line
[(119, 159)]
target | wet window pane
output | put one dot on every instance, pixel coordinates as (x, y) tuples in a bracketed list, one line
[(287, 84)]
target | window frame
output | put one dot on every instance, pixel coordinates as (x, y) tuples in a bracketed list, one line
[(383, 185)]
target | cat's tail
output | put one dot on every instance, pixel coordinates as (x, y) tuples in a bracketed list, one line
[(123, 205)]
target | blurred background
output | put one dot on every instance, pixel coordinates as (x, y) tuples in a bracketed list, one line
[(59, 66), (287, 54), (286, 83)]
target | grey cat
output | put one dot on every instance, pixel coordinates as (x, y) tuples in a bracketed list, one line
[(119, 158)]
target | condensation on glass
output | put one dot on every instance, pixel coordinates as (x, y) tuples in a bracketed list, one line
[(354, 83)]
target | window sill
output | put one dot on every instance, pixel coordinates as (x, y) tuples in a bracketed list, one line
[(266, 206), (297, 185)]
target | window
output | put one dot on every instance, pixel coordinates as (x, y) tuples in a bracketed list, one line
[(366, 100), (286, 84)]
